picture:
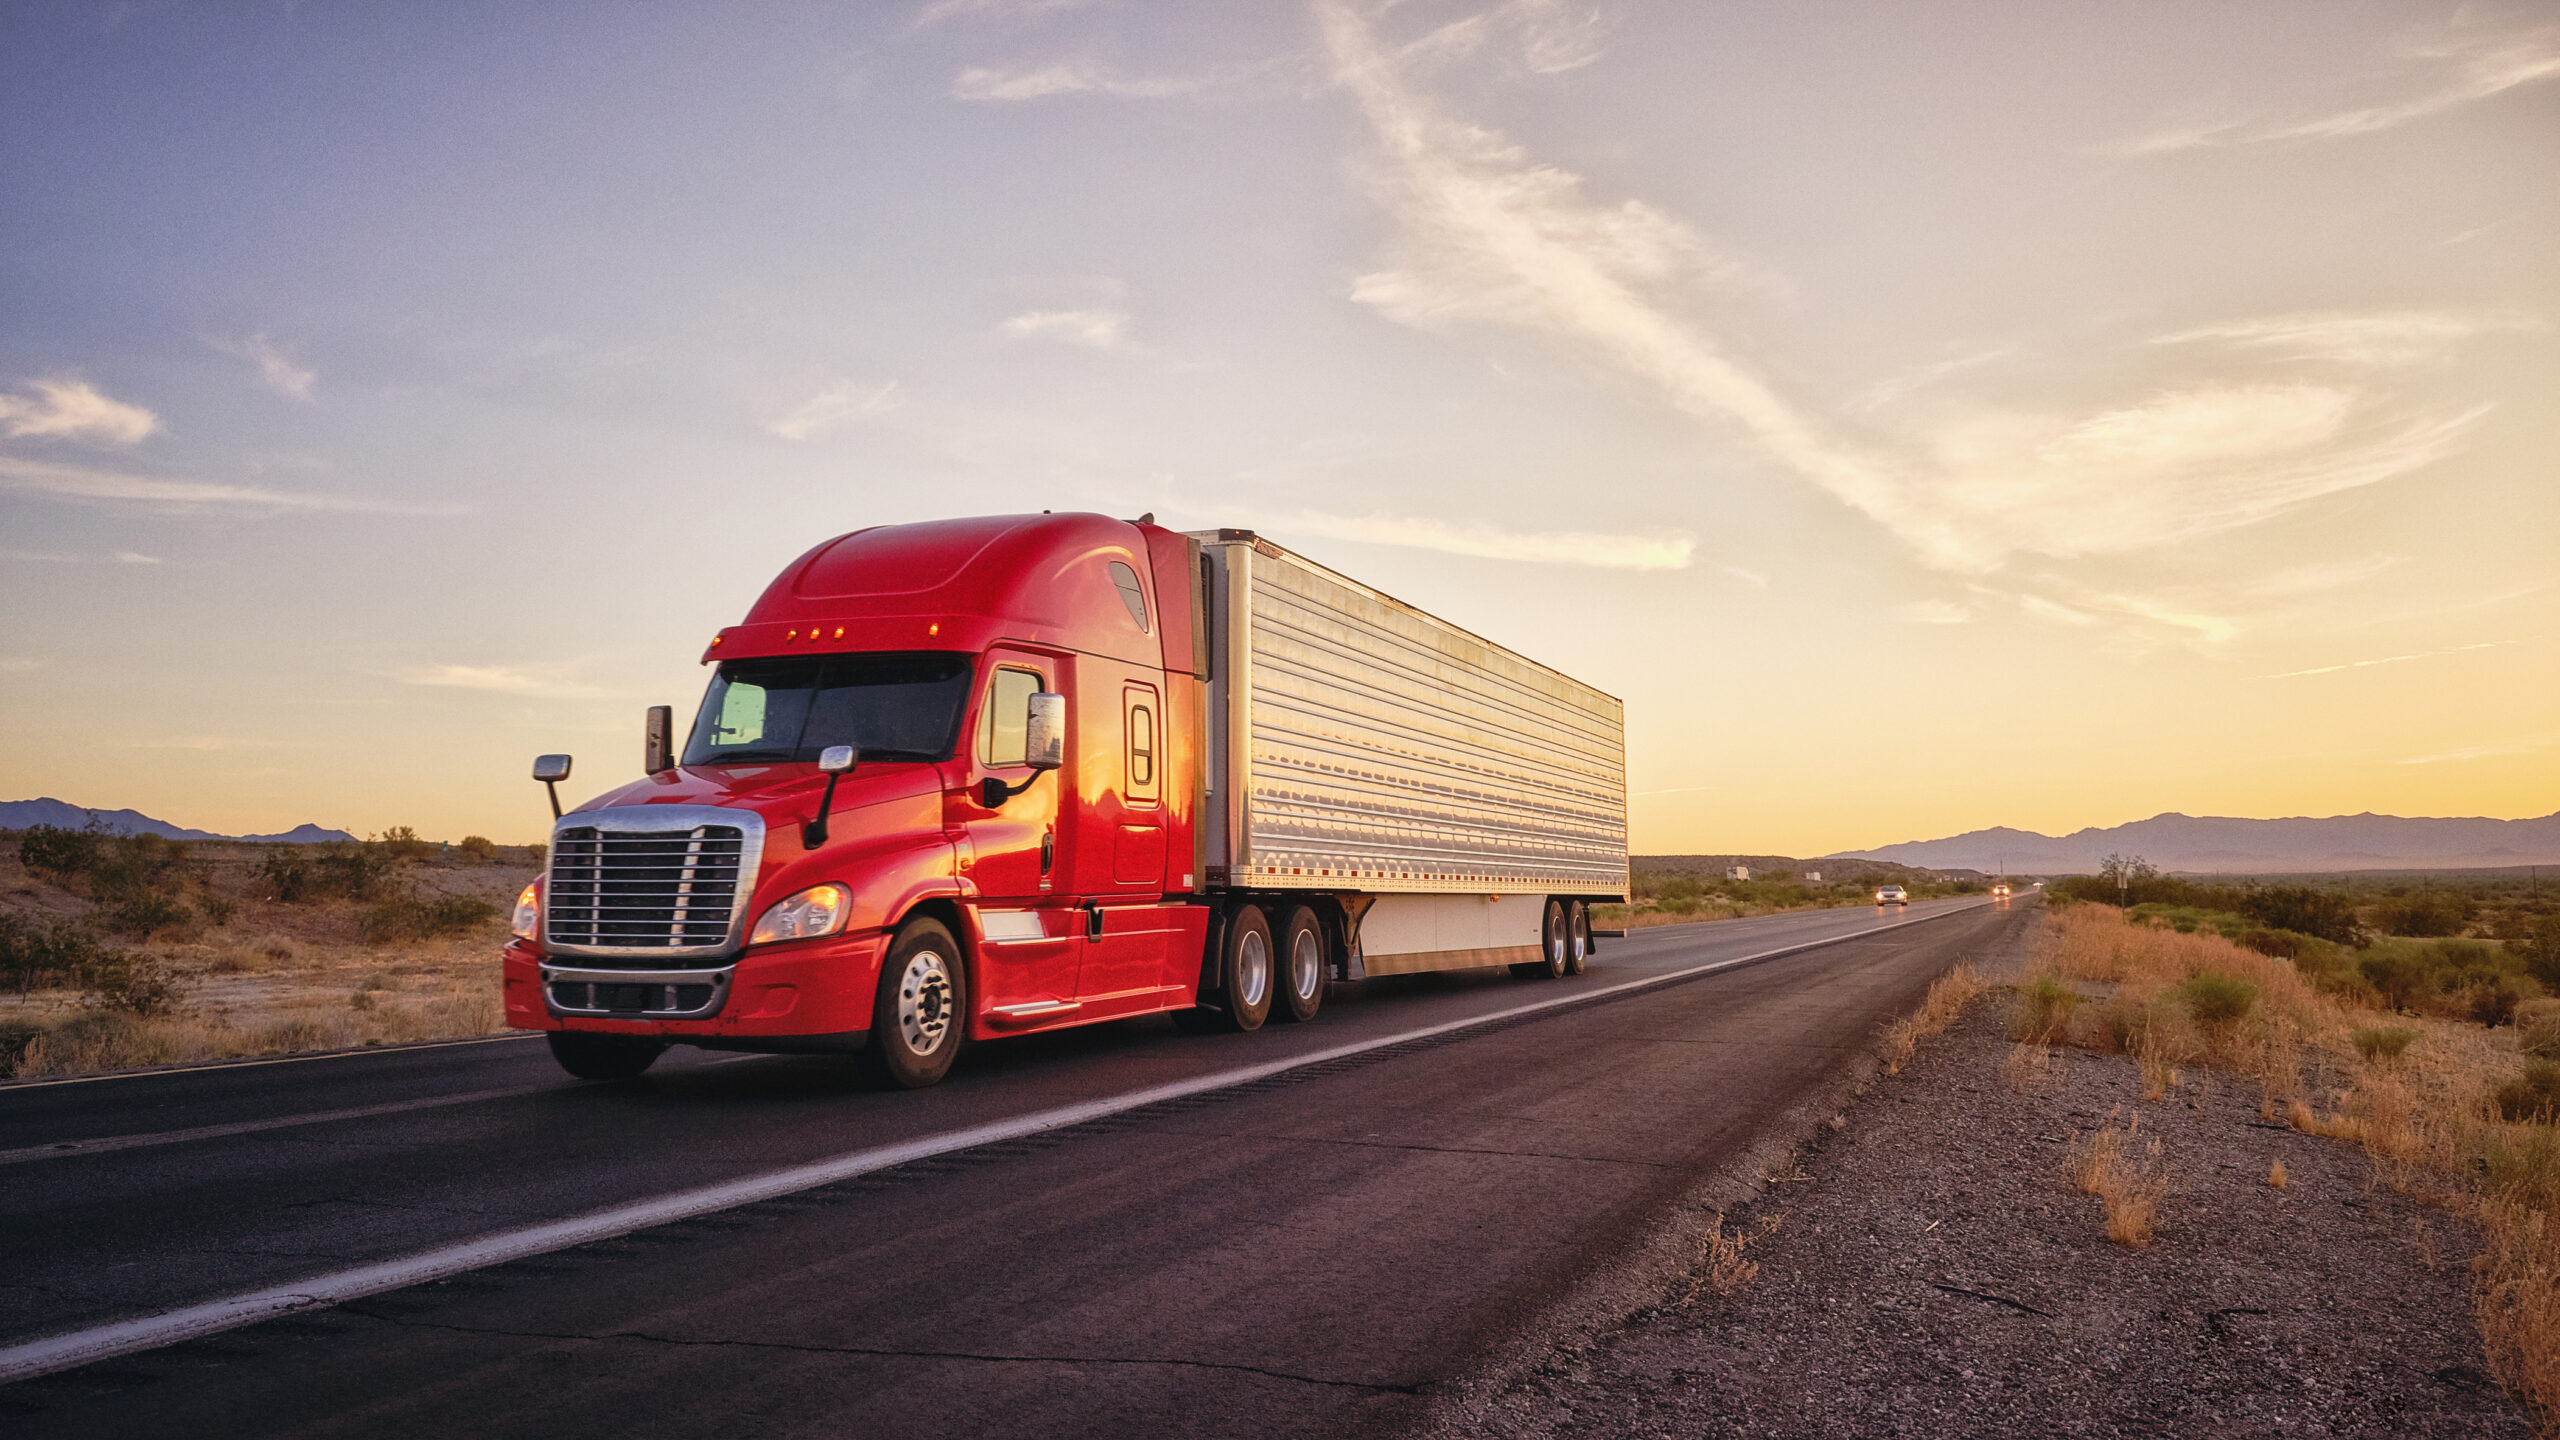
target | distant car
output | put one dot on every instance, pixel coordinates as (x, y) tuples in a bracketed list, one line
[(1892, 895), (2000, 891)]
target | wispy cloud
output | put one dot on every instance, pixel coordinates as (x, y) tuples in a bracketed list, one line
[(2479, 752), (987, 83), (1747, 577), (2458, 72), (65, 409), (1546, 37), (1931, 612), (2372, 339), (2388, 660), (941, 10), (18, 664), (841, 404), (276, 369), (1485, 542), (1489, 234), (502, 679), (1095, 329), (80, 482)]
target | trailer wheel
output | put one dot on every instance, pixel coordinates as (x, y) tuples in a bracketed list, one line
[(604, 1057), (921, 1008), (1578, 931), (1555, 939), (1245, 969), (1302, 970)]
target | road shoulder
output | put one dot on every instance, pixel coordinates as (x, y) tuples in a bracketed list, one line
[(1920, 1264)]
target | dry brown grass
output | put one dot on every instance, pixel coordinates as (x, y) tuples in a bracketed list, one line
[(2275, 1175), (1725, 1263), (1947, 997), (2416, 1092), (2129, 1177)]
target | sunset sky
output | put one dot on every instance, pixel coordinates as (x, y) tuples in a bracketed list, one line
[(1925, 417)]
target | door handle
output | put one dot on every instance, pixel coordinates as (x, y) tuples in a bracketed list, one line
[(1048, 851)]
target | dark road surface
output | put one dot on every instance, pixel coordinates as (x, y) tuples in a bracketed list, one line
[(1301, 1254)]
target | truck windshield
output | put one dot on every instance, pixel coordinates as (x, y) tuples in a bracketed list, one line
[(894, 706)]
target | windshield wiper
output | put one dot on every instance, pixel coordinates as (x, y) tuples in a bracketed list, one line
[(725, 757)]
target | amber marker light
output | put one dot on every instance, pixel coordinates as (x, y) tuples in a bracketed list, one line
[(839, 632), (931, 630)]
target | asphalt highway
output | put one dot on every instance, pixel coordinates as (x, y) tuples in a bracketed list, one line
[(1118, 1230)]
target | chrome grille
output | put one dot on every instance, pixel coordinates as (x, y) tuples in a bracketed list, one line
[(629, 882)]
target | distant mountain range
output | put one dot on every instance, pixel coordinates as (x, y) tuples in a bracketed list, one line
[(19, 814), (2214, 844)]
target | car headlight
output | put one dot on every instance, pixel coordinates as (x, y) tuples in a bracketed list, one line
[(818, 910), (528, 921)]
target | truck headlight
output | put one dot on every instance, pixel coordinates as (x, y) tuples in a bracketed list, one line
[(528, 921), (818, 910)]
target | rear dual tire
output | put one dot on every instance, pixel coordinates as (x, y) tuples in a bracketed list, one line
[(1564, 943)]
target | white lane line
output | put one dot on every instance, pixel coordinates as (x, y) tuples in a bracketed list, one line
[(82, 1347), (104, 1143), (271, 1060)]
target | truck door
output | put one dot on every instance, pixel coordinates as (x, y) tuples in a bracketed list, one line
[(1013, 849)]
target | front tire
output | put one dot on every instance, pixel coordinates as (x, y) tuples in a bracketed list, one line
[(921, 1008), (1302, 966), (604, 1057)]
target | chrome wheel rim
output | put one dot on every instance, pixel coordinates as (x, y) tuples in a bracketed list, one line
[(925, 1002), (1556, 956), (1306, 964), (1253, 969), (1578, 938)]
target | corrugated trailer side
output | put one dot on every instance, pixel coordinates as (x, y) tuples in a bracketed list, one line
[(1362, 746)]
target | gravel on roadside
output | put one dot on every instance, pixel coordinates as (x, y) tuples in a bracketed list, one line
[(1925, 1268)]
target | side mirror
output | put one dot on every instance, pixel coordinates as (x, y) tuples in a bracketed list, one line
[(551, 770), (835, 762), (1044, 740), (657, 740)]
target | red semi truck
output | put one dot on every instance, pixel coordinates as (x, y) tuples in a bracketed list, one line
[(974, 778)]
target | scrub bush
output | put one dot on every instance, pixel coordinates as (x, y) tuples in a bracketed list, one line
[(2217, 998), (2426, 915), (2382, 1042), (2534, 1095), (57, 851), (480, 848), (400, 842), (2042, 1014), (415, 919)]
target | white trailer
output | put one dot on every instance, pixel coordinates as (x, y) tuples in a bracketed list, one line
[(1449, 795)]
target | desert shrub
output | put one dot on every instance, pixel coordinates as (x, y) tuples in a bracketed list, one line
[(2321, 914), (2043, 1010), (133, 982), (34, 955), (57, 851), (2494, 1004), (480, 848), (137, 866), (302, 875), (537, 854), (217, 908), (417, 919), (400, 842), (2540, 949), (2425, 915), (146, 912), (2398, 978), (2217, 998), (2382, 1042), (2540, 1035), (2534, 1095)]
